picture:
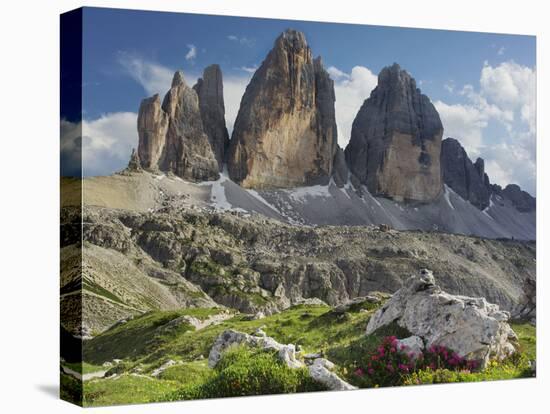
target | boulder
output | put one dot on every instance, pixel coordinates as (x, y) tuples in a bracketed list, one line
[(171, 135), (413, 345), (472, 327), (209, 89), (163, 368), (230, 337), (321, 371), (285, 132), (395, 141)]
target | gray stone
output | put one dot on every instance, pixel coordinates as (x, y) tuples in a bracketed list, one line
[(395, 141), (467, 179), (321, 371), (134, 164), (472, 327), (171, 135), (229, 338), (340, 174), (209, 89), (413, 345)]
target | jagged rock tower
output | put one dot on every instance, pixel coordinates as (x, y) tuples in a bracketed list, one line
[(285, 131), (395, 140), (466, 178), (209, 89), (171, 135)]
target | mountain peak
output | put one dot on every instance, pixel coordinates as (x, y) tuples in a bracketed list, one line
[(396, 140), (178, 79)]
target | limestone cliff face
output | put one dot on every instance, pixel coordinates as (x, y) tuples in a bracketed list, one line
[(152, 126), (285, 131), (171, 135), (396, 140), (209, 89), (467, 179)]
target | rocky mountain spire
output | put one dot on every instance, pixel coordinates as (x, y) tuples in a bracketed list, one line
[(134, 164), (396, 140), (467, 179), (171, 135), (285, 131), (209, 89)]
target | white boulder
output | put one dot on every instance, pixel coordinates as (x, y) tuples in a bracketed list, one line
[(230, 337), (321, 371), (472, 327)]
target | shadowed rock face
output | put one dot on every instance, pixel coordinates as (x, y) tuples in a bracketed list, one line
[(209, 89), (171, 135), (396, 140), (285, 131), (467, 179), (522, 200)]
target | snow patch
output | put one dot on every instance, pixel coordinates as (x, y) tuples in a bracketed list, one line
[(218, 199), (301, 194), (446, 193)]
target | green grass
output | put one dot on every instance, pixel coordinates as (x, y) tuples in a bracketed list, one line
[(126, 389), (188, 372), (244, 371), (527, 335), (143, 343), (84, 367), (139, 336)]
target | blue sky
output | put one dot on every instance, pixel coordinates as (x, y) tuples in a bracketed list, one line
[(482, 84)]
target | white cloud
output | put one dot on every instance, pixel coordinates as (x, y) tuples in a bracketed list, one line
[(507, 97), (450, 86), (242, 40), (465, 123), (511, 164), (107, 142), (337, 74), (191, 53), (501, 51), (351, 90), (154, 78), (233, 90), (513, 87), (249, 69)]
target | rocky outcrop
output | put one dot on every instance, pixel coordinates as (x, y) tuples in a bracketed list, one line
[(340, 169), (285, 131), (321, 370), (467, 179), (171, 135), (396, 140), (134, 164), (472, 327), (152, 126), (522, 200), (230, 337), (209, 89), (526, 309)]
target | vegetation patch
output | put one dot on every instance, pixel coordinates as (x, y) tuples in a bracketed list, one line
[(243, 371)]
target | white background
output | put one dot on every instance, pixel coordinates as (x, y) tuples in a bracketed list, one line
[(29, 157)]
